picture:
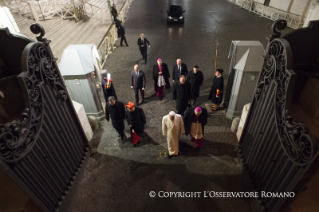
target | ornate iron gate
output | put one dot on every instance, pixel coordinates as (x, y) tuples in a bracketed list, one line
[(276, 152), (44, 150)]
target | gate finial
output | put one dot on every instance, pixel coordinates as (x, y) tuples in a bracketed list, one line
[(36, 29), (277, 25)]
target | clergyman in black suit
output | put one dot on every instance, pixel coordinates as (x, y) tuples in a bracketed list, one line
[(114, 11), (179, 69), (122, 34), (117, 25), (138, 82), (142, 44)]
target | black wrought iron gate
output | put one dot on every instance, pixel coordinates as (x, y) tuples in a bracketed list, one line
[(275, 151), (44, 149)]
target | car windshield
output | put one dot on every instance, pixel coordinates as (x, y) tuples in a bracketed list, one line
[(175, 9)]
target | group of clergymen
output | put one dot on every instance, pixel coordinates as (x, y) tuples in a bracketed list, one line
[(185, 91)]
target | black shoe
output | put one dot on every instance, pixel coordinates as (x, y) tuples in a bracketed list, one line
[(134, 145), (169, 156), (197, 148), (122, 136), (145, 62)]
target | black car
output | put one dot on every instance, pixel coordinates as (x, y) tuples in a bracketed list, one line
[(175, 14)]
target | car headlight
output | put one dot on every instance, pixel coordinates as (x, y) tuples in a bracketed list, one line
[(170, 17), (181, 17)]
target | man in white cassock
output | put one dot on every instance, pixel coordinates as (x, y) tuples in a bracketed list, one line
[(173, 127)]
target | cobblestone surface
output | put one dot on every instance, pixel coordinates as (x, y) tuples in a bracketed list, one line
[(119, 177)]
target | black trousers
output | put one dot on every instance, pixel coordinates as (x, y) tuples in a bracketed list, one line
[(123, 38), (137, 96), (143, 51), (119, 127), (181, 106)]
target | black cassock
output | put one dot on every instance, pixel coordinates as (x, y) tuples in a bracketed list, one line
[(117, 114), (188, 119), (218, 83), (136, 119), (181, 93), (195, 80), (165, 73), (108, 92)]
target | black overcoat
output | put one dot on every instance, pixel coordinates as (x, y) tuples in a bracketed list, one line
[(136, 119), (195, 80), (182, 94), (108, 92), (188, 119), (117, 114), (165, 72), (114, 11), (218, 83)]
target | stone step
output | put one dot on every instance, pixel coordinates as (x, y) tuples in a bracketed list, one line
[(67, 31), (51, 28), (86, 34), (77, 37), (22, 21)]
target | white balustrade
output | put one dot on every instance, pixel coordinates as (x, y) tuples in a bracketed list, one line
[(293, 21)]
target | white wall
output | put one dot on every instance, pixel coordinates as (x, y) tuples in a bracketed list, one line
[(313, 13), (7, 20), (300, 7), (297, 7)]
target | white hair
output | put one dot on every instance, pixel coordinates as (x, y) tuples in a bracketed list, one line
[(172, 113)]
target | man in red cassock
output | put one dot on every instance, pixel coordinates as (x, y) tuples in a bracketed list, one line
[(135, 119)]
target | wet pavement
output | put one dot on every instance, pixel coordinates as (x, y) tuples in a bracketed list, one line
[(120, 177)]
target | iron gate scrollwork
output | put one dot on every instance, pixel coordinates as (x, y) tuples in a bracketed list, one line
[(45, 149), (274, 150)]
